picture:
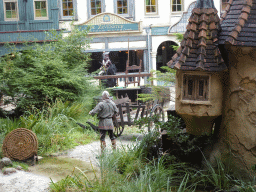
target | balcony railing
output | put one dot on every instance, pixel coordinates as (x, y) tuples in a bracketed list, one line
[(121, 77)]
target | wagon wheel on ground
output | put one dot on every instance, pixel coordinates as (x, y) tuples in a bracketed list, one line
[(156, 115), (118, 128)]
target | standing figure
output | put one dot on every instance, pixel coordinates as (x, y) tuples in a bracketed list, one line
[(105, 110), (106, 63)]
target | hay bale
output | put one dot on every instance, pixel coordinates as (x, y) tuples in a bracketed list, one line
[(20, 144)]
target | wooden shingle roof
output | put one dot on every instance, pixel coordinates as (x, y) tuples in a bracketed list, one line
[(199, 47), (238, 23)]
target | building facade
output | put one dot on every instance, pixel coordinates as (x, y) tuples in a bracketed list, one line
[(144, 28), (26, 21)]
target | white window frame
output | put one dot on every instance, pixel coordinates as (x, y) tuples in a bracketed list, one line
[(17, 7), (182, 6), (34, 8), (151, 13)]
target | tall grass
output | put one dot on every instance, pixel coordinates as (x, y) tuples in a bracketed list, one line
[(219, 176), (56, 125), (148, 178), (130, 170)]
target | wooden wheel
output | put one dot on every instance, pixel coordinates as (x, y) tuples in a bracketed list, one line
[(118, 130), (157, 115)]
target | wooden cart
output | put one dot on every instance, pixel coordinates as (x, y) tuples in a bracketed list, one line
[(128, 114)]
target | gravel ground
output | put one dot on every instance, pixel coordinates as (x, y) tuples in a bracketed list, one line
[(90, 151), (22, 181)]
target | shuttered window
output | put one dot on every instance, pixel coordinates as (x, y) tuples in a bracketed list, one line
[(11, 10), (195, 87)]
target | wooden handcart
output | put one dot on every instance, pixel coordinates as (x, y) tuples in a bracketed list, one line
[(128, 114)]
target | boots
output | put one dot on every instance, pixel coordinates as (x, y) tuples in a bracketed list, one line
[(113, 144), (103, 146)]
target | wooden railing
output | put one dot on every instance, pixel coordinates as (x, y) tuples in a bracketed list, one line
[(118, 76)]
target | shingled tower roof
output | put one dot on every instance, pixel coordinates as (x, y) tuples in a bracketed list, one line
[(238, 23), (199, 47)]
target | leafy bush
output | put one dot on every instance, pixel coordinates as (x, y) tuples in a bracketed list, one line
[(185, 147), (43, 73)]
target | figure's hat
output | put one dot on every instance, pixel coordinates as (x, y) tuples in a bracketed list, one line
[(199, 47)]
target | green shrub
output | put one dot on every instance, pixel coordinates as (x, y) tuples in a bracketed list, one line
[(185, 147), (46, 72)]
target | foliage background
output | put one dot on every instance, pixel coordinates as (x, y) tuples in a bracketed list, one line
[(41, 73)]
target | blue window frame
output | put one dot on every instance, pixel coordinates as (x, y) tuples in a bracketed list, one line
[(95, 7), (68, 9), (122, 7)]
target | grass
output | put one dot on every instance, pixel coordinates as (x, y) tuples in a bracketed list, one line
[(134, 169), (24, 166), (15, 164), (56, 127)]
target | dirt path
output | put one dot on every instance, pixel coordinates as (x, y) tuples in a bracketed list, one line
[(38, 179), (89, 152)]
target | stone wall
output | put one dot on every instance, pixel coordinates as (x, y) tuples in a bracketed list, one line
[(238, 128)]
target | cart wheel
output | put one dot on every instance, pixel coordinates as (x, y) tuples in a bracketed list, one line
[(118, 130), (157, 114)]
